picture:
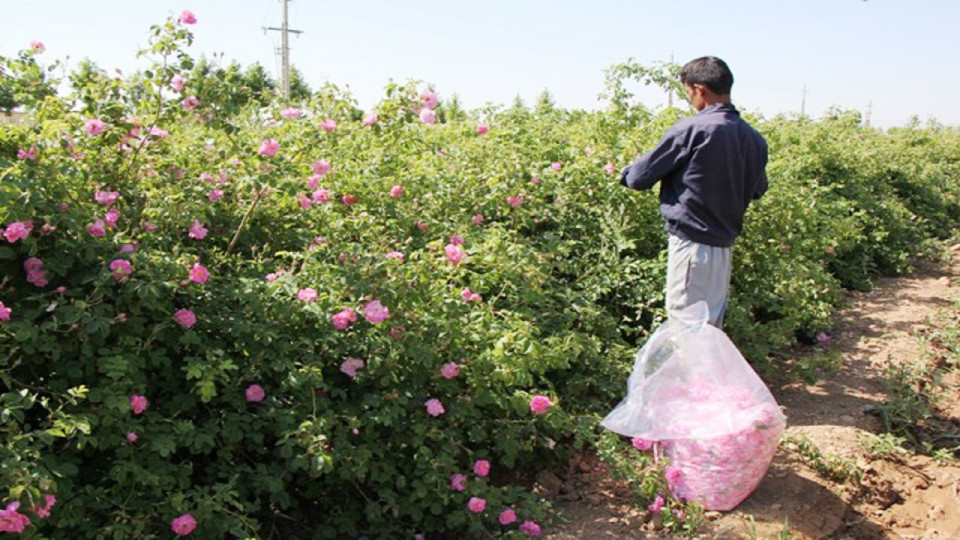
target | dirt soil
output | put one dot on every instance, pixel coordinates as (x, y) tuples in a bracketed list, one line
[(904, 495)]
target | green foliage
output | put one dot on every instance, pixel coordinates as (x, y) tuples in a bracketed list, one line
[(830, 466), (569, 266)]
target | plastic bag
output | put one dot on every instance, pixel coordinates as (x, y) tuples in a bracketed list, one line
[(693, 392)]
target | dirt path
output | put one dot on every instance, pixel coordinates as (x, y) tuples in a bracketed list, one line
[(899, 495)]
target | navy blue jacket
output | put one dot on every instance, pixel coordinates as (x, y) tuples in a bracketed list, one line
[(710, 166)]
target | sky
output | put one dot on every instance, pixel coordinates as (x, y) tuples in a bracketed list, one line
[(889, 59)]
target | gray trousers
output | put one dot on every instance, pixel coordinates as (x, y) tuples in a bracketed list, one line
[(698, 272)]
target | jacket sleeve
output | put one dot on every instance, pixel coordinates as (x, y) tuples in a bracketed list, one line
[(762, 185), (670, 153)]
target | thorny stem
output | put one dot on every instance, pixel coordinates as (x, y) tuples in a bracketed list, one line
[(246, 216)]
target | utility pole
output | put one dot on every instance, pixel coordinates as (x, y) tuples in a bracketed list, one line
[(866, 121), (803, 102), (284, 49)]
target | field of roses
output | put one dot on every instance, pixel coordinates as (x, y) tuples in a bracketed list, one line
[(223, 314)]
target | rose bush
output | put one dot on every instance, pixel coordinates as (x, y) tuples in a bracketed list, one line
[(221, 316)]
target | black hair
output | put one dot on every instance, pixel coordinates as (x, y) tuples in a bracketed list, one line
[(709, 71)]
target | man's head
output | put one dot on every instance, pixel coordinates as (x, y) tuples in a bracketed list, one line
[(708, 81)]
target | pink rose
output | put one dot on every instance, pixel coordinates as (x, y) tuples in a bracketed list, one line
[(17, 230), (534, 180), (450, 370), (254, 393), (350, 366), (321, 196), (458, 482), (307, 294), (5, 312), (94, 126), (138, 404), (29, 154), (132, 437), (396, 191), (429, 99), (673, 475), (427, 116), (539, 404), (530, 528), (514, 201), (190, 103), (482, 129), (343, 319), (121, 268), (149, 227), (656, 505), (187, 17), (290, 112), (641, 444), (456, 239), (375, 312), (434, 407), (321, 167), (476, 504), (329, 125), (477, 219), (304, 201), (370, 118), (111, 217), (610, 168), (422, 226), (199, 274), (98, 228), (197, 230), (470, 296), (177, 82), (11, 520), (159, 133), (37, 46), (185, 524), (556, 165), (269, 147), (215, 195), (507, 517), (395, 255), (454, 254), (481, 467), (185, 318), (349, 200)]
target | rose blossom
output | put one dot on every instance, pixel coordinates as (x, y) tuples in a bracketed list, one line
[(197, 230), (370, 118), (132, 437), (94, 126), (98, 228), (514, 201), (454, 254), (476, 504), (450, 370), (254, 393), (185, 318), (349, 200), (320, 167), (351, 365), (427, 116), (138, 404), (469, 296), (268, 147), (5, 312), (530, 528), (121, 268), (111, 217), (656, 505), (458, 482), (507, 517), (290, 112), (641, 444), (556, 165), (307, 294), (321, 196), (17, 230), (396, 191), (343, 319), (429, 99), (28, 154), (199, 273), (37, 46), (610, 168), (329, 125), (187, 17), (481, 467), (190, 103), (456, 239), (539, 404), (477, 219), (177, 82), (11, 520), (434, 407), (185, 524), (215, 195), (482, 129), (375, 312)]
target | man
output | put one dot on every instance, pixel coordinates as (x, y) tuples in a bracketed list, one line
[(710, 166)]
